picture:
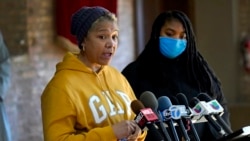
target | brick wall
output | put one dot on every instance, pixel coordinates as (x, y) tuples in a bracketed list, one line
[(40, 22), (13, 23), (28, 28)]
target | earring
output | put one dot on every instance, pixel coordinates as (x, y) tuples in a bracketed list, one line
[(83, 48)]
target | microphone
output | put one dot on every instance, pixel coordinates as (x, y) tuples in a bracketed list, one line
[(146, 119), (175, 112), (183, 100), (215, 105), (239, 135), (149, 100), (144, 115), (203, 109)]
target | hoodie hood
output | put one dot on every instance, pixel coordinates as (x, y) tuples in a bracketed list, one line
[(71, 62)]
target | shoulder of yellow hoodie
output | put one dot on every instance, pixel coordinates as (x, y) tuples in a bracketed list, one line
[(55, 96), (115, 75)]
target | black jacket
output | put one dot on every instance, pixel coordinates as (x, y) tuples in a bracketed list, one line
[(170, 85)]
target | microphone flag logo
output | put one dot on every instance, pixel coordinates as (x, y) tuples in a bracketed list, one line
[(177, 111), (149, 114), (214, 105), (197, 109)]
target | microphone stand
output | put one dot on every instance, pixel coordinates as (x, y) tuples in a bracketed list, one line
[(242, 134)]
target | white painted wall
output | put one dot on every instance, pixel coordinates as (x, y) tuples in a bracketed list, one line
[(126, 48)]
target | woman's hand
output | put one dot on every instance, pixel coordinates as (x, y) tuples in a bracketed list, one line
[(127, 130), (136, 134)]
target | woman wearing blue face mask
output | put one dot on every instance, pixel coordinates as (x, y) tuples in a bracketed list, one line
[(171, 64)]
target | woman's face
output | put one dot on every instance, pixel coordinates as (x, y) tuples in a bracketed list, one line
[(101, 43), (174, 29)]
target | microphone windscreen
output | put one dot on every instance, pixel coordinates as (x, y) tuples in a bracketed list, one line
[(164, 103), (136, 106), (204, 97), (182, 99), (149, 100), (174, 100), (194, 101)]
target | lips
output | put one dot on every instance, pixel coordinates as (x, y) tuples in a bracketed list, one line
[(107, 55)]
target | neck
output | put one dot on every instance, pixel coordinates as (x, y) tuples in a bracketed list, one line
[(94, 67)]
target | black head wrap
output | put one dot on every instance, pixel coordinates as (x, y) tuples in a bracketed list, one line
[(190, 62)]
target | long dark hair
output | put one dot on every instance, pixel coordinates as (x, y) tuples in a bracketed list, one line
[(196, 68)]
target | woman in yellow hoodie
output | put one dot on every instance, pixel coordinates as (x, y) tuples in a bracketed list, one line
[(88, 100)]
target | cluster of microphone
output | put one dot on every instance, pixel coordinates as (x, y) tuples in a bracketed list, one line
[(163, 119)]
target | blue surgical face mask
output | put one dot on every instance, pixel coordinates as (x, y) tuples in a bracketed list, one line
[(172, 47)]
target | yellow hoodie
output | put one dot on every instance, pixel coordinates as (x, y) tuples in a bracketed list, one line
[(81, 105)]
